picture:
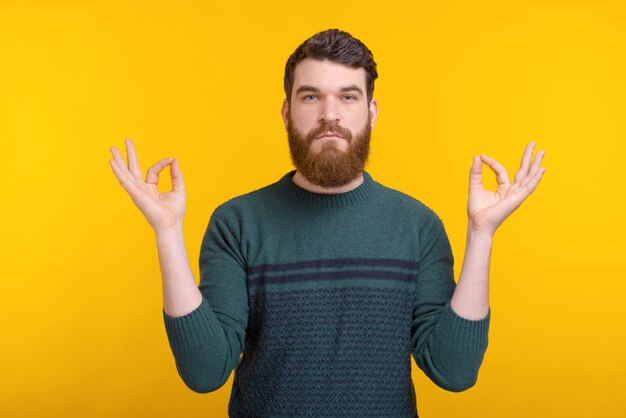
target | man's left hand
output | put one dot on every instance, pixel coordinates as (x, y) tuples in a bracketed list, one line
[(486, 210)]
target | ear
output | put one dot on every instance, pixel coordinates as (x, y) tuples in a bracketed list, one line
[(283, 112), (374, 110)]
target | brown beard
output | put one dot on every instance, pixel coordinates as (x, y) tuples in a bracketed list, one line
[(329, 167)]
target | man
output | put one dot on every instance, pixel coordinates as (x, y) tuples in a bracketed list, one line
[(326, 280)]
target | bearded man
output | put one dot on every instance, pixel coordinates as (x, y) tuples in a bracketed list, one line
[(326, 280)]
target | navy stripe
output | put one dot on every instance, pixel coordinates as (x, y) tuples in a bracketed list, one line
[(338, 262), (334, 275)]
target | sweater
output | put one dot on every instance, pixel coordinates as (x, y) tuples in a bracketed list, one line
[(318, 301)]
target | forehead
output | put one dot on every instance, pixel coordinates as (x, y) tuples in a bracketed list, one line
[(327, 75)]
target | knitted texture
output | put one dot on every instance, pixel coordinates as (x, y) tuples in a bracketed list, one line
[(318, 301)]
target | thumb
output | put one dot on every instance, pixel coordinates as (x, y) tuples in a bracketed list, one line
[(476, 174), (177, 176)]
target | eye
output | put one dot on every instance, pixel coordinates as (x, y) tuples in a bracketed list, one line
[(308, 97), (350, 97)]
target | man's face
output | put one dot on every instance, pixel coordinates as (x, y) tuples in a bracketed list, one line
[(329, 122)]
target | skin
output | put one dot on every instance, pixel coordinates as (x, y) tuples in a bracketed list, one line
[(486, 209), (328, 103)]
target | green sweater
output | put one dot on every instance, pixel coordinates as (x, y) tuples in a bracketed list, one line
[(327, 296)]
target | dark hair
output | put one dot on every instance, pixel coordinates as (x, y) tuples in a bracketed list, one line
[(337, 46)]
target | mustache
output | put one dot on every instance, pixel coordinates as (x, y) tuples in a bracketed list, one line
[(329, 127)]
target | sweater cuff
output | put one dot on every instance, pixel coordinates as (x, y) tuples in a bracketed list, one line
[(461, 334), (191, 332)]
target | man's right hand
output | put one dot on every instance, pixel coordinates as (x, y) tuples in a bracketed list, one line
[(162, 210)]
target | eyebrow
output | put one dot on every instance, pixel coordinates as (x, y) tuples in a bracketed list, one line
[(305, 87)]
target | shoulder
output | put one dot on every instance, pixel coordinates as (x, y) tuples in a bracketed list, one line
[(408, 204), (418, 219), (241, 206)]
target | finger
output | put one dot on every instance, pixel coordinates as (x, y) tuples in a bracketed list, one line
[(536, 166), (120, 164), (501, 175), (522, 172), (123, 177), (177, 176), (117, 155), (537, 162), (476, 174), (533, 181), (133, 162), (152, 177)]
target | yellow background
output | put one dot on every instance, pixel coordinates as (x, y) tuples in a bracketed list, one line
[(80, 293)]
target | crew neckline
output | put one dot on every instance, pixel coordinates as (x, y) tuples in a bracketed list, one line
[(327, 200)]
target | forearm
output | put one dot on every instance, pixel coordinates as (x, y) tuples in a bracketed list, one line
[(180, 291), (205, 340), (471, 296)]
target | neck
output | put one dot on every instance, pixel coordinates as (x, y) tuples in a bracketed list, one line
[(299, 179)]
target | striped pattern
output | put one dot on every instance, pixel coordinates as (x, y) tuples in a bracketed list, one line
[(327, 327), (333, 269), (332, 351)]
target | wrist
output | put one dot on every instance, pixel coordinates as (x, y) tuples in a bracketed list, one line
[(480, 229), (480, 235), (170, 231)]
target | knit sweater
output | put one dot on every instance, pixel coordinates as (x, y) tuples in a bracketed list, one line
[(327, 296)]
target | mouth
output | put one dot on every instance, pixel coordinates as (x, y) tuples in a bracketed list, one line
[(329, 135)]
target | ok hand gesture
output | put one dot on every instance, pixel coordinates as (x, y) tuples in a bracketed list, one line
[(486, 210), (163, 210)]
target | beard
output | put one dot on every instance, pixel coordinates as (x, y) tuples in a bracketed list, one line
[(329, 167)]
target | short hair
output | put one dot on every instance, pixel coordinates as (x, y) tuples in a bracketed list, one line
[(337, 46)]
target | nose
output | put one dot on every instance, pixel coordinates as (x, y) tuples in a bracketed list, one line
[(329, 112)]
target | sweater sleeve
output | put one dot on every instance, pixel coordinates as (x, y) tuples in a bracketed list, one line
[(447, 347), (207, 342)]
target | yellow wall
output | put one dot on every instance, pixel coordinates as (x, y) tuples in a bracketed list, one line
[(80, 291)]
